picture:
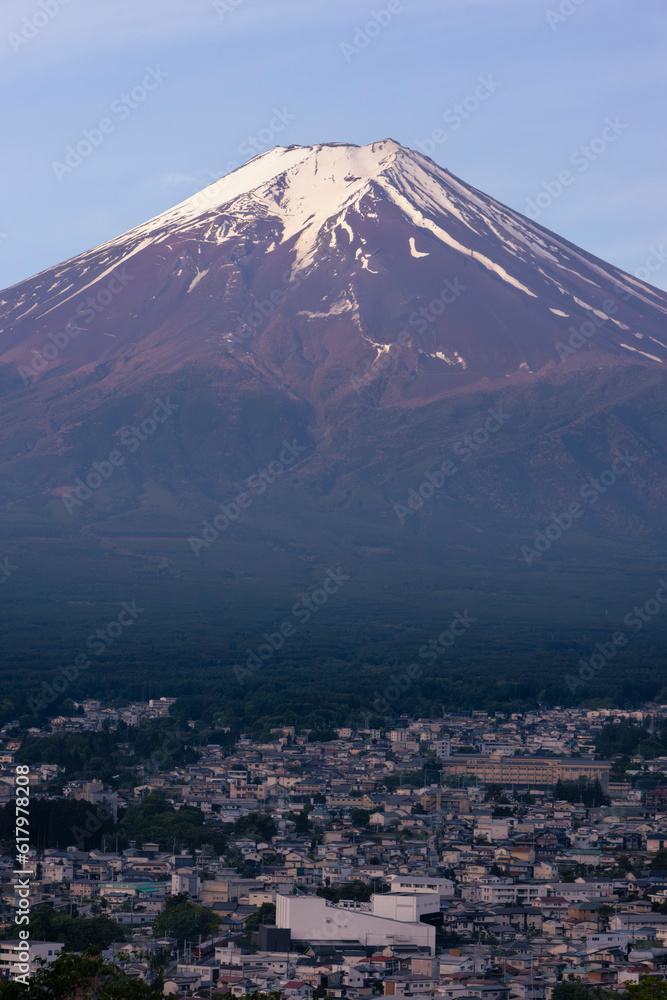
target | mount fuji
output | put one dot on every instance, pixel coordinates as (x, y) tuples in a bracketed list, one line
[(365, 308)]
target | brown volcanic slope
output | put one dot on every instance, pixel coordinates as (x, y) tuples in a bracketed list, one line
[(367, 304)]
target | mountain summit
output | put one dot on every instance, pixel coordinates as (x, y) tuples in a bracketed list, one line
[(360, 260)]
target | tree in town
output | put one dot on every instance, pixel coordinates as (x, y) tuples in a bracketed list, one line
[(72, 975), (184, 920)]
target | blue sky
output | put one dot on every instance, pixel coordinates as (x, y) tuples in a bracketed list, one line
[(556, 71)]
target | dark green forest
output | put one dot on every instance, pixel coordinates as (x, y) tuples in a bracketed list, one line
[(533, 628), (60, 822), (348, 689)]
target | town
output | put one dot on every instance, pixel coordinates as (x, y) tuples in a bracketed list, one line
[(474, 855)]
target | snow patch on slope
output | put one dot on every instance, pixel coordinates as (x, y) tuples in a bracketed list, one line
[(342, 306), (344, 224), (414, 251), (197, 278), (637, 351), (458, 360)]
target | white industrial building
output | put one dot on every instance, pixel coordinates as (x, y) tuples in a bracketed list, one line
[(389, 920), (444, 887), (406, 907)]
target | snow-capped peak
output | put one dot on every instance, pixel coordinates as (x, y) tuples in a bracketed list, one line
[(326, 165), (319, 257), (307, 192)]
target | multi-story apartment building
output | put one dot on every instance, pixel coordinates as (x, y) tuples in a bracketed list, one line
[(530, 772)]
